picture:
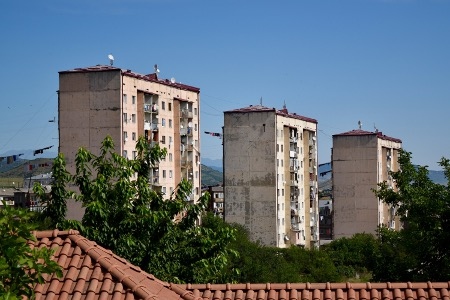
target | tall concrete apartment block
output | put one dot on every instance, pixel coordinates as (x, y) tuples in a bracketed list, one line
[(104, 100), (360, 160), (270, 175)]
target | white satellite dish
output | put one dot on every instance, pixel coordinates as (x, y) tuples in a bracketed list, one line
[(172, 80), (111, 59)]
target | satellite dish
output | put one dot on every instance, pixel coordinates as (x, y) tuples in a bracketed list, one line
[(172, 80), (111, 59)]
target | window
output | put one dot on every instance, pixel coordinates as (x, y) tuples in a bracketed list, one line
[(195, 127), (133, 136), (125, 136), (170, 157), (163, 122), (170, 123), (170, 173), (133, 99), (196, 174), (124, 99), (164, 173), (133, 118), (278, 147), (281, 148), (170, 106), (134, 153), (195, 110), (164, 190), (125, 153), (163, 139), (163, 105), (125, 118)]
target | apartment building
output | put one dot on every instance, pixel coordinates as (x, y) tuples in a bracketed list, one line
[(105, 100), (360, 160), (270, 175)]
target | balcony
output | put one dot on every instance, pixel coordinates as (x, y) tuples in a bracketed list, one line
[(293, 139), (293, 154), (186, 163), (185, 114), (151, 108), (150, 126), (155, 181)]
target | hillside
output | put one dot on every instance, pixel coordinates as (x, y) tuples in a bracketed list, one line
[(211, 177)]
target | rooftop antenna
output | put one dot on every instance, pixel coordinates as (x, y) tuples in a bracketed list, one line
[(260, 101), (156, 68), (359, 125), (375, 127), (52, 121), (111, 59), (284, 104)]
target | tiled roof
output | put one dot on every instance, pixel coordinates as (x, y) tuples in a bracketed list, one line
[(149, 77), (283, 112), (322, 291), (92, 272), (364, 132)]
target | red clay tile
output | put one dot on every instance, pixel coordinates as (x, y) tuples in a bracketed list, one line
[(92, 272)]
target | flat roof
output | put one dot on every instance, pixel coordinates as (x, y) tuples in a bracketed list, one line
[(126, 72), (281, 112), (359, 132)]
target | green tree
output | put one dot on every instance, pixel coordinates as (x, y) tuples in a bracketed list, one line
[(355, 256), (20, 266), (424, 209), (54, 203), (124, 214)]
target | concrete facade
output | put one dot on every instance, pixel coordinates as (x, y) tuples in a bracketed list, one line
[(270, 175), (360, 160), (104, 100)]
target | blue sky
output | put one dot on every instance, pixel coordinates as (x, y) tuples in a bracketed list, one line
[(384, 62)]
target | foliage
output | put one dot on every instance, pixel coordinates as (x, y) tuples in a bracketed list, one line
[(20, 266), (354, 256), (124, 214), (424, 207), (54, 213), (258, 263)]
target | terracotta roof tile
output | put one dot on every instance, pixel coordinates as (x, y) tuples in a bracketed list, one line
[(93, 272), (323, 291)]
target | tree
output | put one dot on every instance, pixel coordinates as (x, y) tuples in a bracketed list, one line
[(124, 214), (354, 256), (55, 206), (20, 266), (424, 209)]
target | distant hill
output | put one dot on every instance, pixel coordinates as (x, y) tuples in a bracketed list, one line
[(210, 176), (216, 164)]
